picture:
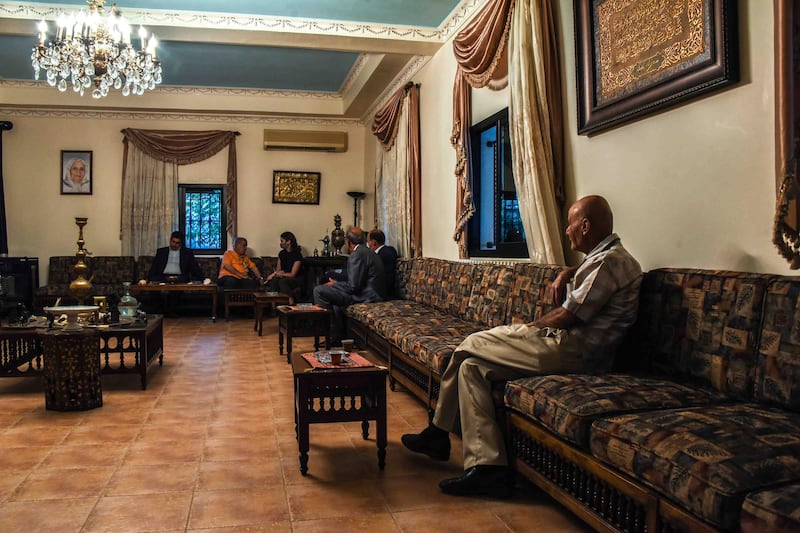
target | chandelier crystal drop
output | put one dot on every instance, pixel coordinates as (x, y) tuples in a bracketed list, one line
[(94, 49)]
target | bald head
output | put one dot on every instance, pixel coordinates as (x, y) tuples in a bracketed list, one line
[(590, 220)]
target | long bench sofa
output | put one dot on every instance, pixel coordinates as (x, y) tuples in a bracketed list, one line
[(108, 272), (697, 428)]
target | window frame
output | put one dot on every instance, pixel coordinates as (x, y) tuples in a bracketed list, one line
[(501, 250), (183, 190)]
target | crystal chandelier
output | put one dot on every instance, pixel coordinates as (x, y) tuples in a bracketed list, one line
[(95, 49)]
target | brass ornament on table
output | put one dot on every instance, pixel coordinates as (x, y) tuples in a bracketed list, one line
[(337, 235), (80, 286)]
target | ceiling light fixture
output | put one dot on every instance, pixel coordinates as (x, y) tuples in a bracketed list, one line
[(95, 49)]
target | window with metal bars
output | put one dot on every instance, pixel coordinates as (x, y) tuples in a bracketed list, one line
[(201, 216)]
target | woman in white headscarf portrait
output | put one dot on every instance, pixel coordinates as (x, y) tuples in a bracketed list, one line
[(76, 175)]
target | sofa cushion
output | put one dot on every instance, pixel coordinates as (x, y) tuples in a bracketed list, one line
[(426, 281), (702, 325), (776, 510), (61, 269), (488, 299), (404, 266), (778, 368), (706, 458), (527, 300), (112, 270), (568, 404)]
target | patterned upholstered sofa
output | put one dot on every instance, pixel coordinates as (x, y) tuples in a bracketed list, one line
[(698, 427), (108, 272)]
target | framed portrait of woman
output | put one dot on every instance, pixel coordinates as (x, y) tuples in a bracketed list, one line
[(76, 172)]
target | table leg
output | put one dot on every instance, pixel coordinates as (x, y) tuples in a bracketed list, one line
[(302, 425), (259, 314), (214, 305), (365, 429), (380, 422)]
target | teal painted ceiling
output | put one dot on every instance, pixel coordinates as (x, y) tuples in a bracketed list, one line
[(280, 45)]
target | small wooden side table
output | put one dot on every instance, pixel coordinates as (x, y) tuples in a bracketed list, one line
[(72, 370), (301, 321), (262, 300), (339, 395)]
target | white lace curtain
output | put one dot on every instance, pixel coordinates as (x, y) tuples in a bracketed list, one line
[(393, 200), (150, 193)]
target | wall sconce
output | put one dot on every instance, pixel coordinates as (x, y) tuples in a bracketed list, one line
[(356, 196)]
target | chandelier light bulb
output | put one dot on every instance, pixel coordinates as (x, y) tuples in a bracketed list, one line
[(92, 48)]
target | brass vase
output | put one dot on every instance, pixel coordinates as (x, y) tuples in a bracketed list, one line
[(80, 286), (337, 235)]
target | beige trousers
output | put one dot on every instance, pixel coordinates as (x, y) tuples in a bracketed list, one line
[(503, 353)]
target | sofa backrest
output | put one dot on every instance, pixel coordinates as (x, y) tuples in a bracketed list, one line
[(431, 282), (404, 266), (143, 264), (488, 299), (527, 301), (210, 267), (60, 269), (700, 325), (778, 365), (112, 270)]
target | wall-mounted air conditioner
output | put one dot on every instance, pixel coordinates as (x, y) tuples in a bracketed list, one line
[(304, 140)]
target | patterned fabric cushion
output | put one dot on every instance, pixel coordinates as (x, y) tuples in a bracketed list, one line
[(112, 269), (488, 299), (568, 404), (61, 270), (527, 297), (707, 458), (701, 324), (210, 267), (431, 282), (778, 367), (403, 275), (775, 510), (269, 263), (459, 288), (143, 264)]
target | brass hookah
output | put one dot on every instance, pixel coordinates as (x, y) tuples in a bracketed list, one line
[(80, 286)]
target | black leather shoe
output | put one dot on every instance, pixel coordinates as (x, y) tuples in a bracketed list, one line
[(432, 441), (481, 480)]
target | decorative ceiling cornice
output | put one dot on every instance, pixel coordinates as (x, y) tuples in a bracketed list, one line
[(117, 114), (411, 68)]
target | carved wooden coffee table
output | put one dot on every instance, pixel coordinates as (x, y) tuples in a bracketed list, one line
[(325, 395), (302, 321)]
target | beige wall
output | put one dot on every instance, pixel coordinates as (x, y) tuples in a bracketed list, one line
[(691, 187), (41, 220)]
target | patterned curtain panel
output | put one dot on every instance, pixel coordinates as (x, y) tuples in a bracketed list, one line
[(535, 124), (398, 174), (148, 212), (480, 51)]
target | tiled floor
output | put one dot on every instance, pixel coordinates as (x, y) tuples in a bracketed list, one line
[(210, 446)]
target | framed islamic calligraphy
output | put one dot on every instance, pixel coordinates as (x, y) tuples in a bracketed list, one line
[(637, 57), (289, 187)]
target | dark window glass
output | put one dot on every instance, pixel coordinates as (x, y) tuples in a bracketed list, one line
[(495, 230), (202, 218)]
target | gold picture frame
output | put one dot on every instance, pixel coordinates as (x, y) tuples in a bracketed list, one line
[(637, 57), (292, 187)]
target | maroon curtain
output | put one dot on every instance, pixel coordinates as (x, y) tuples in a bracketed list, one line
[(480, 51)]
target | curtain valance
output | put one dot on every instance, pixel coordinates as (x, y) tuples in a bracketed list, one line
[(384, 126), (480, 51), (180, 147)]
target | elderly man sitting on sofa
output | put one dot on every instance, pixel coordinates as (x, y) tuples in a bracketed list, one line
[(599, 300)]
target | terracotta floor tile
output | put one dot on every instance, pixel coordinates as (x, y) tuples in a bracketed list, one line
[(56, 484), (102, 434), (23, 457), (159, 453), (10, 480), (48, 516), (239, 474), (241, 449), (310, 501), (238, 507), (144, 512), (459, 519), (74, 456), (383, 522), (134, 479)]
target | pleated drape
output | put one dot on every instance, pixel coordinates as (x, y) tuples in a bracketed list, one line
[(480, 51), (150, 180), (398, 182)]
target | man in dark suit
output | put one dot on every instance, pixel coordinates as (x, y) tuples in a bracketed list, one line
[(376, 240), (366, 282), (174, 260)]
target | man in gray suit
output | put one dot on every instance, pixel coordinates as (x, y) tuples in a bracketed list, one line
[(366, 282)]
